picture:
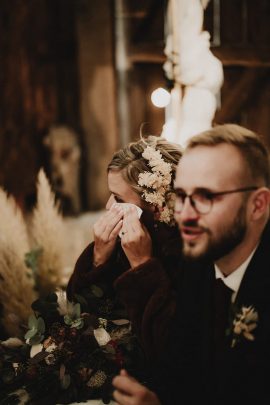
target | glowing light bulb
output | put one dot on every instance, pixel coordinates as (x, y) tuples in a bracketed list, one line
[(160, 97)]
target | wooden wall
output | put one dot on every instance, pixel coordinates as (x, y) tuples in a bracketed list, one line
[(145, 22), (95, 20), (38, 80), (57, 65), (241, 39)]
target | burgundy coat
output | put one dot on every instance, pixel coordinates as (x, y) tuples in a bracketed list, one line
[(148, 292)]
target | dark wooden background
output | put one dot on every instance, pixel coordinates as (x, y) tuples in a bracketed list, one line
[(41, 76)]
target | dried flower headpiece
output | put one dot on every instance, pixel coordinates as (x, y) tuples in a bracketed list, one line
[(157, 183)]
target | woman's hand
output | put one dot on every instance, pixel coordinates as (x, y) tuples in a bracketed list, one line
[(105, 232), (136, 241), (130, 392)]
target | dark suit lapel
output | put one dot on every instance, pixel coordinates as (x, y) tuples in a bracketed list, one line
[(207, 308), (257, 275)]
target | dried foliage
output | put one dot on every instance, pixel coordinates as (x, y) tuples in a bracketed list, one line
[(47, 233), (16, 281)]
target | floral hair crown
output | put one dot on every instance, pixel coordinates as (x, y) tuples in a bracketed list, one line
[(157, 183)]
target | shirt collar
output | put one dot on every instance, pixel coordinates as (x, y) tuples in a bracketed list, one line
[(234, 279)]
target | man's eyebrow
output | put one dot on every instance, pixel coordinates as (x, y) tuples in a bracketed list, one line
[(196, 190), (178, 189)]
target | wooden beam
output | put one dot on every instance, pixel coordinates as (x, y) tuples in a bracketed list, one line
[(240, 94), (152, 52), (229, 56), (146, 23), (243, 56)]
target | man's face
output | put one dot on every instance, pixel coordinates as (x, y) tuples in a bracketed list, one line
[(218, 232)]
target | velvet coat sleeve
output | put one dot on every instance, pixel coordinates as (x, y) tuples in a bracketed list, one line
[(147, 292), (150, 299), (86, 273)]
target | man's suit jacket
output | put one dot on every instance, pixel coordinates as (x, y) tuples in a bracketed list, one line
[(190, 375)]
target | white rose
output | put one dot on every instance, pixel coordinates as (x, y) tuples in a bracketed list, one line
[(35, 349), (102, 336)]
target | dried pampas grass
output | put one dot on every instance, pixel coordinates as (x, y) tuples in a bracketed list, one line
[(47, 232), (16, 281)]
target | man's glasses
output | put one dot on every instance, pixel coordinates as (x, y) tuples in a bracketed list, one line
[(202, 200)]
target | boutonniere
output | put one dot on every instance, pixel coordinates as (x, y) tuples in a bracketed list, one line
[(243, 324)]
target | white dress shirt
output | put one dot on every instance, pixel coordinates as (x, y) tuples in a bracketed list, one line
[(234, 279)]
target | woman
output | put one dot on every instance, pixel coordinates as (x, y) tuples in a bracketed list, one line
[(137, 257)]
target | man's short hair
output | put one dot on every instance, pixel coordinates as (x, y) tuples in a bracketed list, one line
[(250, 145)]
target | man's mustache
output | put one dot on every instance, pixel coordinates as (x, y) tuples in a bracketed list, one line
[(194, 224)]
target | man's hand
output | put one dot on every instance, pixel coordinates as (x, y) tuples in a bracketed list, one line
[(131, 392), (136, 241), (105, 232)]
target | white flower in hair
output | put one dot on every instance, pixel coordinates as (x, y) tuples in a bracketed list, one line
[(159, 180), (165, 215), (151, 179)]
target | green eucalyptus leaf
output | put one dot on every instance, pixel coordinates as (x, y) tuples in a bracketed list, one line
[(67, 320), (78, 323), (77, 310), (35, 340), (97, 291), (32, 322), (41, 325), (29, 334)]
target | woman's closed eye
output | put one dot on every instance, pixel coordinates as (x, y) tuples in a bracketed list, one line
[(118, 199)]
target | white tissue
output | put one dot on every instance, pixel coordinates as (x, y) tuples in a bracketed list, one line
[(124, 207)]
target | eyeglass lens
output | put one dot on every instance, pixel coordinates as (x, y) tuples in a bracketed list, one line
[(199, 201)]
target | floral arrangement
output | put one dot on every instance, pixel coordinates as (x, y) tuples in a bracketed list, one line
[(157, 183), (244, 322), (70, 353)]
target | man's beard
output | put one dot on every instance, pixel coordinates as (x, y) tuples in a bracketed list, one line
[(226, 242)]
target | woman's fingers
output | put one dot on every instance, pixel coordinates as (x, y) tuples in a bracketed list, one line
[(127, 384), (135, 239), (116, 229), (131, 392), (131, 222), (106, 225)]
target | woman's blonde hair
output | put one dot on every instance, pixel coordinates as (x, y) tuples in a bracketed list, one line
[(131, 163)]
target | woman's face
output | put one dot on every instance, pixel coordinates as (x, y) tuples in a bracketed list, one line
[(121, 191)]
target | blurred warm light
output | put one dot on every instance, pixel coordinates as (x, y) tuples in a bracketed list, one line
[(160, 97)]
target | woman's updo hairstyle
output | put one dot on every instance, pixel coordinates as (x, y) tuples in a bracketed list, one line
[(131, 163)]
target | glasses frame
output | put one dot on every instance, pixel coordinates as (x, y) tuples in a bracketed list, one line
[(211, 196)]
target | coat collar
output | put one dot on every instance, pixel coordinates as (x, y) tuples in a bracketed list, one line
[(257, 275)]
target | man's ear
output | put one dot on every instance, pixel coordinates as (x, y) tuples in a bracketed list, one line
[(260, 202)]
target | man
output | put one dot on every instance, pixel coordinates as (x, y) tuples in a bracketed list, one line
[(222, 209)]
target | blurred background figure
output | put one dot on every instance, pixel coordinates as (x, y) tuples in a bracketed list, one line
[(64, 166)]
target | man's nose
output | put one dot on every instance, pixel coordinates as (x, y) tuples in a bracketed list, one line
[(188, 211), (110, 202)]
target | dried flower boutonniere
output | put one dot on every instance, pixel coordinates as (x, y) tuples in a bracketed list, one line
[(244, 323)]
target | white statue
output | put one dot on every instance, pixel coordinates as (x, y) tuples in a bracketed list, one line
[(196, 72)]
